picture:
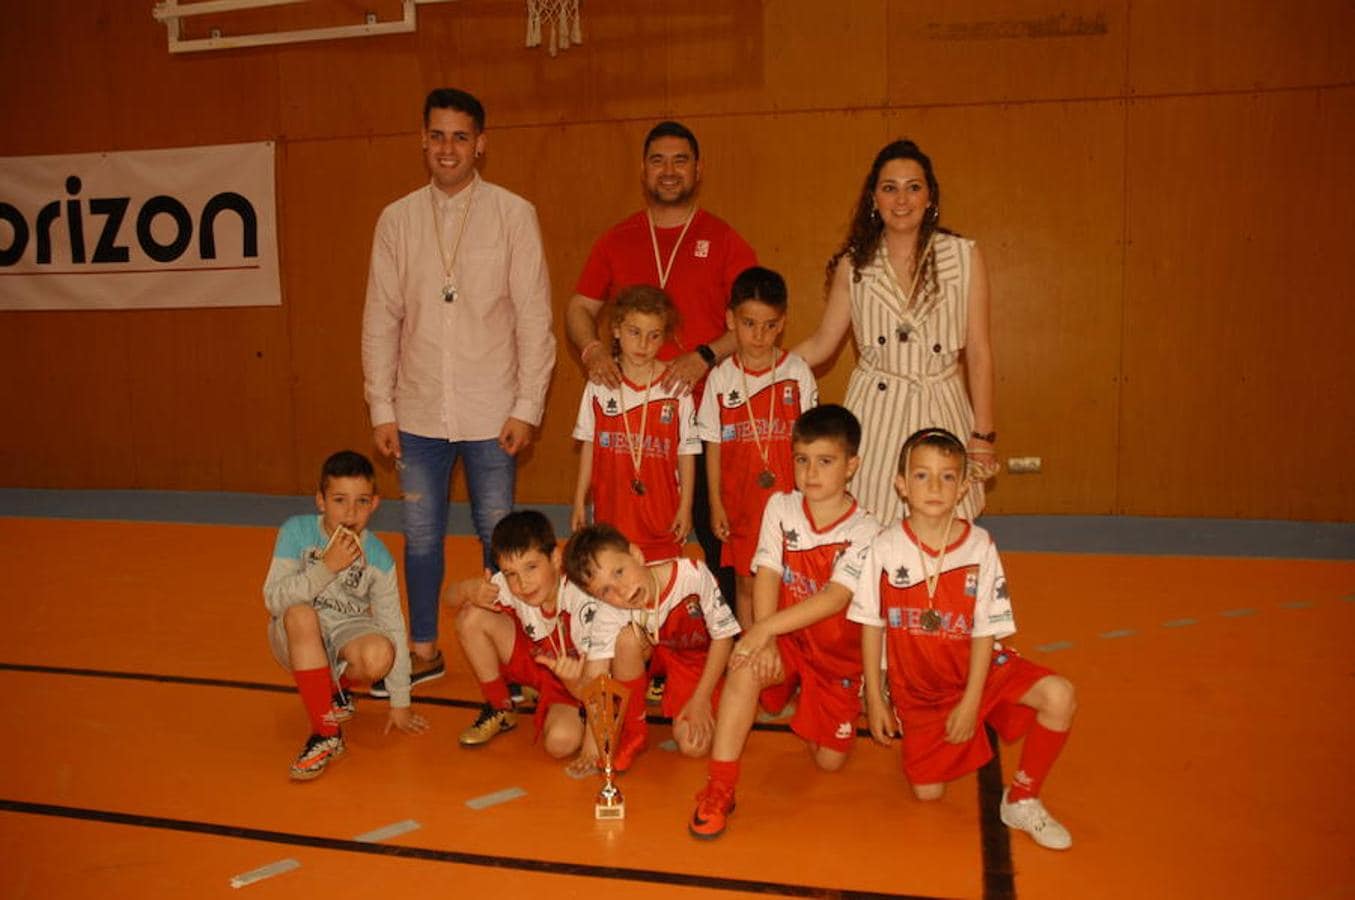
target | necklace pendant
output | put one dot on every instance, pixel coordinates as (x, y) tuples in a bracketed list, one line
[(448, 294), (637, 486), (931, 619), (766, 479)]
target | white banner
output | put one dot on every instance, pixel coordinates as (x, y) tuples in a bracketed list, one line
[(140, 229)]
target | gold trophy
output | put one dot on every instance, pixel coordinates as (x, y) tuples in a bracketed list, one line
[(605, 702)]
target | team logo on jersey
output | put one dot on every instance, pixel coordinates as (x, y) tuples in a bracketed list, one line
[(844, 730), (728, 433), (900, 577), (666, 413), (611, 406), (588, 613), (788, 395), (790, 536), (895, 617), (702, 249), (971, 583), (1001, 589), (733, 398), (530, 630), (604, 438), (692, 603)]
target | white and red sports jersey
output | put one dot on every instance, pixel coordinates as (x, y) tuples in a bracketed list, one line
[(931, 668), (808, 559), (669, 431), (742, 409), (691, 613), (577, 614)]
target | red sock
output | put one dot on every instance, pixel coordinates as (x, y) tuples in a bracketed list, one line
[(635, 721), (725, 772), (1041, 748), (496, 693), (314, 686)]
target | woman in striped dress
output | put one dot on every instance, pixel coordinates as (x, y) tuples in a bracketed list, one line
[(915, 295)]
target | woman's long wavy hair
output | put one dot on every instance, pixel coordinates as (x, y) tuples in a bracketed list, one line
[(863, 238)]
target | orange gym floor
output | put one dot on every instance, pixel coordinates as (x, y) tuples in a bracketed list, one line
[(147, 734)]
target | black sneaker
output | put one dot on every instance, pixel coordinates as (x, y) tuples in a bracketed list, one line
[(420, 670)]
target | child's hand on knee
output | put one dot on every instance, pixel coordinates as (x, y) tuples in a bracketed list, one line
[(961, 722)]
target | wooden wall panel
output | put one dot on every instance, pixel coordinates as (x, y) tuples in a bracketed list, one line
[(332, 197), (65, 377), (201, 398), (1002, 50), (96, 76), (1206, 47), (1239, 312)]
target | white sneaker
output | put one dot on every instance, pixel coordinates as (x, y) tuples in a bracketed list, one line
[(1030, 816)]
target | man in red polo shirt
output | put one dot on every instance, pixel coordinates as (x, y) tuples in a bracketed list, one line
[(692, 255)]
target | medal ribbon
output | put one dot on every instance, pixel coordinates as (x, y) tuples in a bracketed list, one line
[(637, 454), (449, 263), (771, 408), (663, 270)]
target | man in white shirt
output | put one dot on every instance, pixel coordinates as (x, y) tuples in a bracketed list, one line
[(457, 348)]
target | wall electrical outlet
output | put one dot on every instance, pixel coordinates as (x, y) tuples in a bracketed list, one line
[(1023, 465)]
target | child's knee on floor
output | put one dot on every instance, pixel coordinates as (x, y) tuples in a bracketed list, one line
[(827, 759), (929, 791)]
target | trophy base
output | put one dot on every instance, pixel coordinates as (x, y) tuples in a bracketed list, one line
[(605, 811)]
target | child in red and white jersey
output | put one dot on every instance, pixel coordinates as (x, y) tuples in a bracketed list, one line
[(751, 402), (639, 439), (528, 625), (675, 622), (812, 543), (934, 596)]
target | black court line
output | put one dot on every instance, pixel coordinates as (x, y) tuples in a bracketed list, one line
[(998, 871), (161, 678), (431, 854), (999, 875)]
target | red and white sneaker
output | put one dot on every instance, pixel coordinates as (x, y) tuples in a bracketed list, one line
[(714, 806)]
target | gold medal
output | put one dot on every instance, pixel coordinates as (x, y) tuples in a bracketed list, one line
[(931, 619)]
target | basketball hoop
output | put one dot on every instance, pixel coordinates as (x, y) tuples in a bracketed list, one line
[(558, 19)]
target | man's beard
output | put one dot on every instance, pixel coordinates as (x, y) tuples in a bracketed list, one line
[(657, 198)]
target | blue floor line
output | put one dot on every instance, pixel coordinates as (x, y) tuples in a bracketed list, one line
[(1118, 535)]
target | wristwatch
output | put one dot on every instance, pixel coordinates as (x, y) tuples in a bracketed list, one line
[(704, 351)]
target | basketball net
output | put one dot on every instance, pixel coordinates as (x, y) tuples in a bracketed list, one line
[(558, 20)]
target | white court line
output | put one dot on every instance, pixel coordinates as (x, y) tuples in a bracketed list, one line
[(268, 871)]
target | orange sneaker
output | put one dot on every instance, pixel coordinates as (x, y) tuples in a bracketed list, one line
[(632, 743), (714, 806)]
